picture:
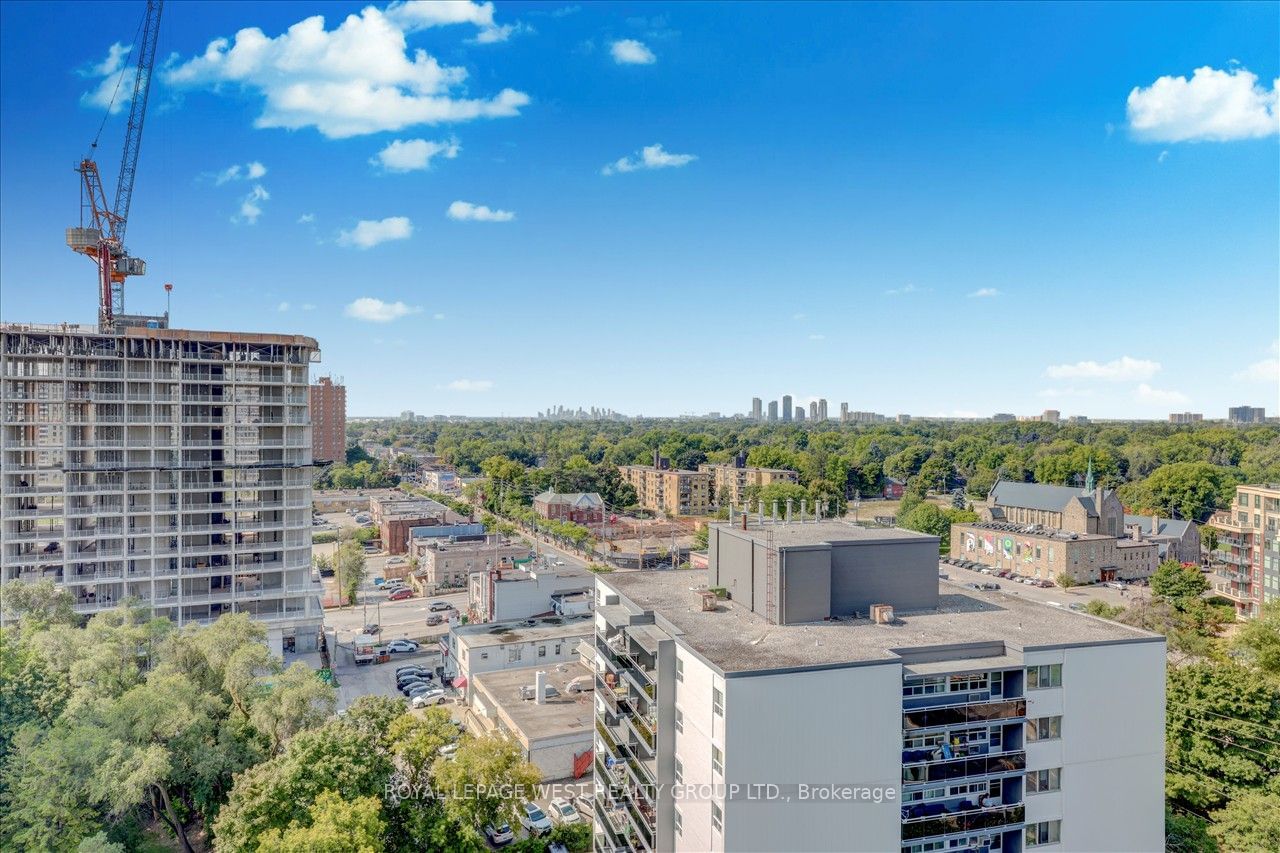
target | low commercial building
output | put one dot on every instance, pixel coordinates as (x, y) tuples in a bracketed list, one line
[(555, 732), (578, 507), (730, 481), (470, 650), (1177, 539), (523, 593), (398, 517), (953, 720), (444, 482), (1247, 560), (661, 489), (1045, 553), (447, 564)]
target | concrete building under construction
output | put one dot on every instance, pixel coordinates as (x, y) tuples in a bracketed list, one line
[(160, 465)]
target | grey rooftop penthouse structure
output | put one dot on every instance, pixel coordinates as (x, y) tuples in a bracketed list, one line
[(796, 572)]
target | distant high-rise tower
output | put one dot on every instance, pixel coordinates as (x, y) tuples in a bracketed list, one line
[(328, 421), (844, 413), (822, 410), (755, 408), (773, 411), (813, 410), (786, 408)]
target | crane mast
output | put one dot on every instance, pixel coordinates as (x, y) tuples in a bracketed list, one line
[(102, 238)]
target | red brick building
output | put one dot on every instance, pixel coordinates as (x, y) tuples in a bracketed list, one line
[(328, 421), (580, 507)]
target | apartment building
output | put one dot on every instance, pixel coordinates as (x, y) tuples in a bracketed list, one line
[(328, 421), (1247, 415), (167, 466), (757, 409), (786, 719), (661, 489), (442, 482), (1185, 417), (1248, 555), (773, 411), (786, 408), (730, 481)]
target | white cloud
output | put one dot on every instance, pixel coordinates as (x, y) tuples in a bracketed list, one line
[(282, 307), (817, 337), (251, 205), (1123, 369), (631, 52), (307, 306), (376, 311), (251, 171), (464, 211), (112, 92), (370, 232), (901, 291), (467, 385), (306, 218), (1213, 106), (1267, 370), (410, 155), (1055, 393), (984, 292), (1147, 394), (357, 79), (1162, 156), (416, 15), (651, 157)]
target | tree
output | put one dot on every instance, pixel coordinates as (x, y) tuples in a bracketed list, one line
[(417, 740), (280, 791), (780, 493), (701, 537), (334, 825), (1178, 583), (1096, 607), (497, 765), (1190, 490), (1209, 538), (1251, 821), (1218, 742), (1259, 640), (41, 603), (291, 700), (349, 565)]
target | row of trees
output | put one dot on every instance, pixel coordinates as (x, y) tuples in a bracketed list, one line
[(130, 734), (1177, 470)]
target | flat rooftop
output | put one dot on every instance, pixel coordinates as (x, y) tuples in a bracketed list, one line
[(525, 631), (798, 533), (1021, 530), (161, 334), (567, 713), (737, 640)]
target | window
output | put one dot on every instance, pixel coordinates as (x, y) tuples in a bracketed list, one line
[(679, 669), (1049, 675), (717, 702), (717, 818), (925, 686), (484, 656), (677, 772), (717, 760), (1044, 728), (542, 651), (679, 723), (514, 654), (1045, 832), (1039, 781), (678, 821), (557, 650)]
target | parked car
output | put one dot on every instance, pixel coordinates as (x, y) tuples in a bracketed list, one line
[(400, 594), (988, 586), (437, 606), (1047, 584), (409, 686), (499, 835), (562, 812), (1054, 603), (972, 586), (422, 690), (1075, 605), (416, 667), (371, 628), (402, 646), (449, 750), (944, 576), (985, 570), (1114, 584), (1029, 581), (434, 696), (534, 819), (434, 618)]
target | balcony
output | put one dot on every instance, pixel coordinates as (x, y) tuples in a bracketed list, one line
[(950, 824), (612, 817), (1241, 595), (964, 768), (1007, 709)]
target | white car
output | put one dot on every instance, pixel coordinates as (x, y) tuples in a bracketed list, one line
[(563, 812), (499, 835), (534, 819), (433, 696), (408, 646)]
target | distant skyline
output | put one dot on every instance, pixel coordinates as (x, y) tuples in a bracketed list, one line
[(663, 208)]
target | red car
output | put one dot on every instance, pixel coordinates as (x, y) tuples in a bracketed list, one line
[(400, 595)]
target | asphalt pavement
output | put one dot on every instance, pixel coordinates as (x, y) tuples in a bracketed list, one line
[(1065, 597)]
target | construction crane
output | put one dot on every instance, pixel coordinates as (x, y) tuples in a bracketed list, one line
[(101, 238)]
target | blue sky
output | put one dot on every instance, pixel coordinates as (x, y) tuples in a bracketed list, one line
[(671, 208)]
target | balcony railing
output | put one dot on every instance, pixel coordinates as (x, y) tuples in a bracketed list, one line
[(1007, 709), (950, 824), (961, 768)]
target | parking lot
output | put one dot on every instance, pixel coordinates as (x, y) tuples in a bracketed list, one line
[(1058, 595)]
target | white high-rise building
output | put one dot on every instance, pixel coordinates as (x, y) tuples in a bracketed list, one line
[(160, 465), (802, 714)]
